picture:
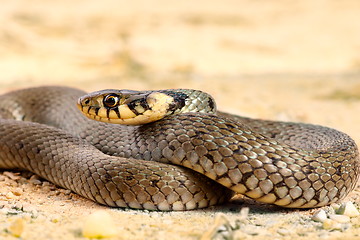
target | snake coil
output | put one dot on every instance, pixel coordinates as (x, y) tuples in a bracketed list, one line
[(288, 164)]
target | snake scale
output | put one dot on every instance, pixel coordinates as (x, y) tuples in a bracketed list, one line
[(184, 161)]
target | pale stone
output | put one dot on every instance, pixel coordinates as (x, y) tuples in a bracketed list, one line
[(17, 191), (10, 195), (319, 216), (99, 225), (329, 224), (339, 218), (348, 209)]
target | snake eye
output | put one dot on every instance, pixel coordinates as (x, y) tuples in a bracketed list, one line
[(111, 100)]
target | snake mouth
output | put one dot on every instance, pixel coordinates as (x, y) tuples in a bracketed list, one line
[(118, 115), (104, 115), (79, 104)]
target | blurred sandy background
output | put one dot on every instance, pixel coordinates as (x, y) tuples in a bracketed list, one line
[(287, 60), (279, 59)]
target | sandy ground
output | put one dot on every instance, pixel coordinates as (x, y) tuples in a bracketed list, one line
[(284, 60)]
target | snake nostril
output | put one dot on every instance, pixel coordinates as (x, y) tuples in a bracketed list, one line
[(83, 102)]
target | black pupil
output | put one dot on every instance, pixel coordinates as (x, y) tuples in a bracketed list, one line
[(111, 100)]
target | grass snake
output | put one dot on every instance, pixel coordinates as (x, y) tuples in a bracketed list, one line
[(183, 161)]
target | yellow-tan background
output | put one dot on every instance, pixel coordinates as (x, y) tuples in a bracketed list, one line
[(279, 59)]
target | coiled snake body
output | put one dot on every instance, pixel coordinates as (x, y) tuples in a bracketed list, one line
[(287, 164)]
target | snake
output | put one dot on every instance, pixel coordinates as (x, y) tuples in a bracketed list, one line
[(170, 150)]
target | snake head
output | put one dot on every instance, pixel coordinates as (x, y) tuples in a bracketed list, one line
[(126, 106)]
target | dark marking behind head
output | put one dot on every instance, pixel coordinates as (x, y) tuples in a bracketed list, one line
[(179, 100), (211, 103)]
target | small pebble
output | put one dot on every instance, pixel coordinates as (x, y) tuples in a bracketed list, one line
[(34, 179), (35, 182), (51, 192), (12, 176), (65, 191), (335, 206), (10, 195), (339, 218), (244, 213), (283, 231), (49, 185), (251, 230), (45, 183), (27, 207), (18, 206), (319, 216), (348, 209), (34, 213), (16, 228), (99, 225), (12, 211), (17, 191), (329, 224)]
